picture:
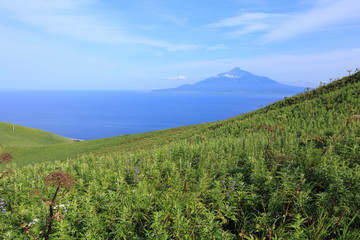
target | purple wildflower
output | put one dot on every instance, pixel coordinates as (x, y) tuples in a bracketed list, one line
[(137, 180), (2, 206), (137, 170)]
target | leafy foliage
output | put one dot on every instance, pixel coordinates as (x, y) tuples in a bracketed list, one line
[(287, 171)]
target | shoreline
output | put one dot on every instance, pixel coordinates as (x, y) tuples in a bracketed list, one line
[(76, 140)]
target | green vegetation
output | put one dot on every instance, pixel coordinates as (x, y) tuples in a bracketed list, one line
[(16, 135), (115, 145), (290, 170)]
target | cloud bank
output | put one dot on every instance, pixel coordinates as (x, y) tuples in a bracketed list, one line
[(177, 78), (278, 27), (73, 18)]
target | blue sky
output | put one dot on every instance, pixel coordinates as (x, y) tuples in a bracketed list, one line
[(143, 44)]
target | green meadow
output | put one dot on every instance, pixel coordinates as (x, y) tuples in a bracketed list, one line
[(16, 135), (290, 170)]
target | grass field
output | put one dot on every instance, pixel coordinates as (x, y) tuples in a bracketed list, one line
[(16, 135)]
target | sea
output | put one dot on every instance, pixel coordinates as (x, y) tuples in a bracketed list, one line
[(90, 115)]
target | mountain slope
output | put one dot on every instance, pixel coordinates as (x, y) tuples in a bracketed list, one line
[(239, 81), (16, 135), (151, 140), (24, 155), (287, 171)]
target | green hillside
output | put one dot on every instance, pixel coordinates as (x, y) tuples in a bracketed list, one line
[(290, 170), (16, 135), (121, 144)]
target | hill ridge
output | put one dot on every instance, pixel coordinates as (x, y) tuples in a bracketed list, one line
[(17, 135)]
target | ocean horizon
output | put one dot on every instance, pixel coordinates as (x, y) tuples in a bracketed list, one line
[(90, 115)]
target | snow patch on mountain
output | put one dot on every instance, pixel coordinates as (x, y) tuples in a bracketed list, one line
[(229, 75)]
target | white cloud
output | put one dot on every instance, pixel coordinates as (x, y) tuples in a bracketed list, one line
[(217, 47), (173, 47), (245, 19), (177, 78), (276, 27), (72, 18), (247, 23), (324, 14)]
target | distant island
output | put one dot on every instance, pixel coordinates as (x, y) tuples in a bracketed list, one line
[(236, 81)]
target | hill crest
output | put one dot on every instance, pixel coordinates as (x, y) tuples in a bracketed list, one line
[(16, 135)]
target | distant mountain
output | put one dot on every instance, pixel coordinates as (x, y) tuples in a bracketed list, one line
[(237, 80)]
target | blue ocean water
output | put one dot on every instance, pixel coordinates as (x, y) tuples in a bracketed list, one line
[(99, 114)]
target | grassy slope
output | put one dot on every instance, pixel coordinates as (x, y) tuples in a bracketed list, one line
[(16, 135), (30, 154), (288, 171), (115, 145)]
